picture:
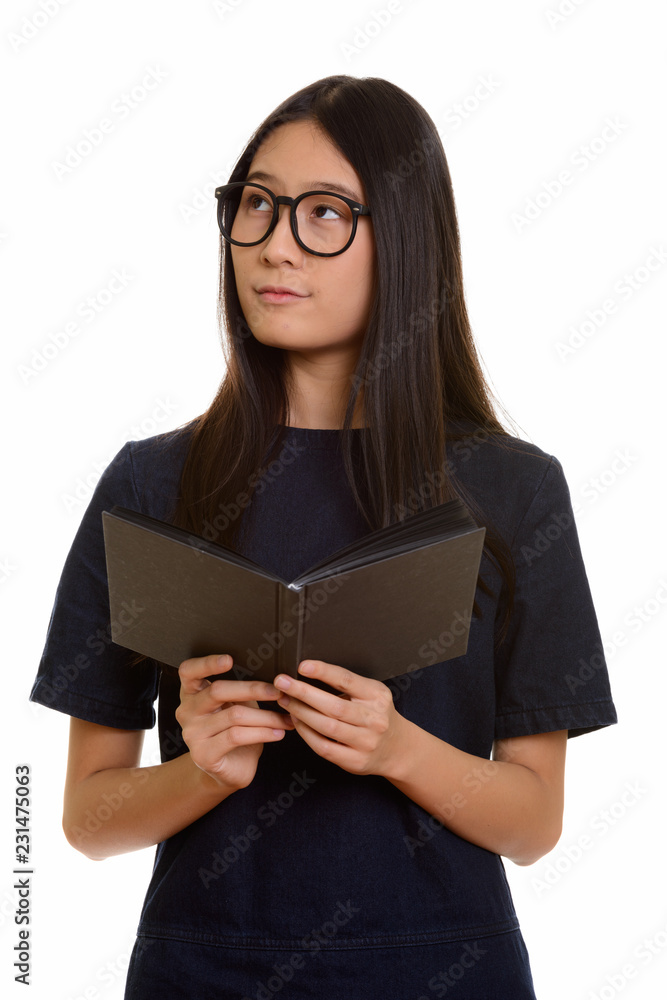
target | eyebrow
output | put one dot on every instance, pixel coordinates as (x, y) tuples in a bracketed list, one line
[(260, 175)]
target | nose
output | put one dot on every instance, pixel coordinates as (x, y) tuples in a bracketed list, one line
[(280, 243)]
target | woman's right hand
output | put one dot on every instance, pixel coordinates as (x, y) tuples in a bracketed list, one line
[(223, 726)]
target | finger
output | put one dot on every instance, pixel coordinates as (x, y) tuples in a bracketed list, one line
[(307, 694), (344, 756), (239, 736), (333, 728), (228, 690), (193, 672), (245, 715), (344, 680), (355, 715), (339, 706), (217, 694), (207, 726)]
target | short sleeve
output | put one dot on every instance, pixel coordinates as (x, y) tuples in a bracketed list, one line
[(82, 672), (550, 671)]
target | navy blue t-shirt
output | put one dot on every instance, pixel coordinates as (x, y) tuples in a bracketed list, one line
[(314, 879)]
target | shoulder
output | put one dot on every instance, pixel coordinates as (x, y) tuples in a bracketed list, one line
[(507, 475), (165, 451), (147, 472), (476, 454)]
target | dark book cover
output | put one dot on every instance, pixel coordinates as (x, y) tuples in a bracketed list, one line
[(372, 606)]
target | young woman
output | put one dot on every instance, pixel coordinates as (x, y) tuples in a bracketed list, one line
[(349, 844)]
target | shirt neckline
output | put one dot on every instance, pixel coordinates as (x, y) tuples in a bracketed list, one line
[(319, 437)]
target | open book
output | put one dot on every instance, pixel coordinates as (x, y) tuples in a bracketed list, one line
[(397, 599)]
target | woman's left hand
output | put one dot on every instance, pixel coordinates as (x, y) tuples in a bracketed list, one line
[(360, 730)]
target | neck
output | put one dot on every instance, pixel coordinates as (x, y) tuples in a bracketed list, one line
[(318, 392)]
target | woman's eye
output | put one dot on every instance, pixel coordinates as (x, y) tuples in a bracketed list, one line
[(320, 210), (256, 201)]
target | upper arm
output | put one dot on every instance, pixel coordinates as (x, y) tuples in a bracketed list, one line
[(96, 748)]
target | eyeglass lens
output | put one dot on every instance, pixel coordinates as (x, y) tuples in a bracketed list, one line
[(324, 222)]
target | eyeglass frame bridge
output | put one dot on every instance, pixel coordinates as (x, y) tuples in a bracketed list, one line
[(356, 207)]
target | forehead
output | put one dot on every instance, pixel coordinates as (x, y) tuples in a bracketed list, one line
[(300, 156)]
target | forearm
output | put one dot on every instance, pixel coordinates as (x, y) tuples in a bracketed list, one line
[(502, 806), (124, 809)]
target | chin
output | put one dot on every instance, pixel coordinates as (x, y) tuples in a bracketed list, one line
[(286, 339), (305, 345)]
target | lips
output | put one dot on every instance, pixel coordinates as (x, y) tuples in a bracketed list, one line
[(281, 290)]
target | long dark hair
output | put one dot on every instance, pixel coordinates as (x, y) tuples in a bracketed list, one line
[(419, 368)]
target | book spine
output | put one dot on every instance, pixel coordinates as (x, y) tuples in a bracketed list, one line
[(303, 593), (287, 633)]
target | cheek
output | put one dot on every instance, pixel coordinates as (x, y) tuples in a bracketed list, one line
[(242, 284), (362, 268), (357, 287), (347, 300), (239, 260), (237, 267)]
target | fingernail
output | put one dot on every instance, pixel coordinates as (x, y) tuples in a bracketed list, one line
[(282, 682)]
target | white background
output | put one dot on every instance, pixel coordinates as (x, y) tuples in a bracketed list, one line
[(150, 361)]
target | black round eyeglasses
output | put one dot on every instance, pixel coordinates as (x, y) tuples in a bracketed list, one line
[(322, 222)]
